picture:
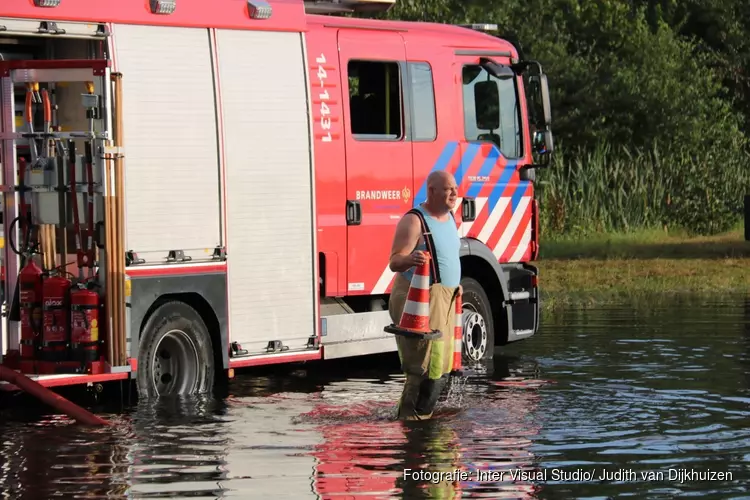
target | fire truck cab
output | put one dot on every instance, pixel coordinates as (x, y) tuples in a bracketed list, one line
[(192, 188), (391, 102)]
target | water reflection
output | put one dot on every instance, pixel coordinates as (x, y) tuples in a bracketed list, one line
[(177, 447), (638, 390), (53, 458)]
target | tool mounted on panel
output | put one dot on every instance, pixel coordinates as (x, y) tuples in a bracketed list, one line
[(59, 312)]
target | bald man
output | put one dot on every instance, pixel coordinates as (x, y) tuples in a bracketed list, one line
[(427, 363)]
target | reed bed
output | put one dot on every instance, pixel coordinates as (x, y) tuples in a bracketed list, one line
[(616, 190)]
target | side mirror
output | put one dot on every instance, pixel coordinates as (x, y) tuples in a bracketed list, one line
[(540, 102), (540, 112), (486, 102)]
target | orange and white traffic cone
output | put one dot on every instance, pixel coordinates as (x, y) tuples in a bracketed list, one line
[(458, 333), (415, 319)]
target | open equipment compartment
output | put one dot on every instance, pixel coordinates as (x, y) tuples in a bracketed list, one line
[(62, 188)]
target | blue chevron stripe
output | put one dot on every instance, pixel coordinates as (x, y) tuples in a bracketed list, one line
[(466, 160), (486, 170), (497, 191), (440, 164), (515, 199)]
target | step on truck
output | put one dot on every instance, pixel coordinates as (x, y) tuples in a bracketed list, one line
[(191, 187)]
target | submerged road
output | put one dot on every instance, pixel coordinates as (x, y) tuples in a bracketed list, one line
[(650, 403)]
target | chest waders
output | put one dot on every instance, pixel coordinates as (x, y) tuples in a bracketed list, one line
[(426, 363)]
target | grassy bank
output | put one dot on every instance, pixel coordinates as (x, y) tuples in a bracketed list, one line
[(607, 268)]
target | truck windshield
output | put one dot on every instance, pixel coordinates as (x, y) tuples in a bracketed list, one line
[(491, 110)]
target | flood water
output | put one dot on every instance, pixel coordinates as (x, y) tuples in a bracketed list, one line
[(658, 395)]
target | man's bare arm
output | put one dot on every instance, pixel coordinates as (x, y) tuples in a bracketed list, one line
[(407, 235)]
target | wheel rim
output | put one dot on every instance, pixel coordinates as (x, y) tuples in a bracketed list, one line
[(475, 333), (175, 364)]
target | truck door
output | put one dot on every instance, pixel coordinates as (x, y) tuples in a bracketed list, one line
[(491, 155), (431, 89), (378, 158)]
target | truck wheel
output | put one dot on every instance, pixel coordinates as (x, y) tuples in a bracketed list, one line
[(478, 329), (175, 355)]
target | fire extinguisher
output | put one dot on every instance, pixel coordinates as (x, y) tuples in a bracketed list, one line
[(30, 302), (55, 333), (84, 321)]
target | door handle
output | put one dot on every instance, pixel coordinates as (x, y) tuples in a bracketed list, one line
[(353, 213), (468, 210)]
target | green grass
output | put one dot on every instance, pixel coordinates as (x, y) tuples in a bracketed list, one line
[(646, 265)]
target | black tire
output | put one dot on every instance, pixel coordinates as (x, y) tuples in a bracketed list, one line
[(478, 324), (175, 356)]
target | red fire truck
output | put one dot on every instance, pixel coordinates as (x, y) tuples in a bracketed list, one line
[(196, 187)]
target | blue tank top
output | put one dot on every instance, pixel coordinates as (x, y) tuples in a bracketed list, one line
[(447, 246)]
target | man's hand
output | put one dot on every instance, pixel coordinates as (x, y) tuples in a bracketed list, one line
[(460, 290), (417, 258)]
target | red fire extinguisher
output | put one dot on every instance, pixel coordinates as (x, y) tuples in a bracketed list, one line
[(30, 302), (55, 334), (84, 321)]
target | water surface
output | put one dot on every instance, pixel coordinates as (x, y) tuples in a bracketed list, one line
[(630, 393)]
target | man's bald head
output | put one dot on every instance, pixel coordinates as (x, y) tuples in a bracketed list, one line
[(438, 179), (441, 190)]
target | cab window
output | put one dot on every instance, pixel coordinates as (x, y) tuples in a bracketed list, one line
[(375, 100), (491, 110), (424, 123)]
